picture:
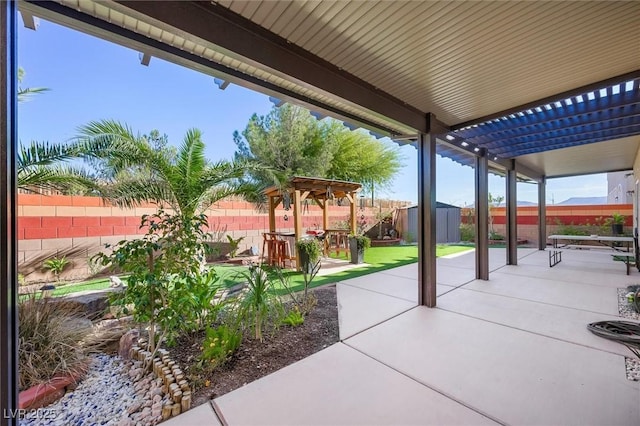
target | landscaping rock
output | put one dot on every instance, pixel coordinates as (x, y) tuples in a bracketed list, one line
[(92, 304)]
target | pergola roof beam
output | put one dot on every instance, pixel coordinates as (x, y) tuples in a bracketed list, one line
[(551, 99)]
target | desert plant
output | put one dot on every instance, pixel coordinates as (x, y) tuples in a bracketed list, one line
[(234, 244), (218, 345), (259, 307), (308, 250), (56, 265), (48, 339), (304, 302)]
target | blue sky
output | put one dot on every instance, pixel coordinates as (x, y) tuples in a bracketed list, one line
[(91, 79)]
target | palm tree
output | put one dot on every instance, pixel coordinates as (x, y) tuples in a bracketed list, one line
[(39, 165), (135, 171)]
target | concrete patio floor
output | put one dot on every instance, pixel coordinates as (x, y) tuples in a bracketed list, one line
[(511, 350)]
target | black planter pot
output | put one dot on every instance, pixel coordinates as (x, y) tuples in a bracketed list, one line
[(357, 255), (305, 262), (617, 228)]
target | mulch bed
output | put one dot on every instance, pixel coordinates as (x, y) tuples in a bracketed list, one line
[(254, 359)]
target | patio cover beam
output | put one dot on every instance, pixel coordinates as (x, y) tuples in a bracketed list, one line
[(512, 216), (482, 215), (542, 214), (69, 17), (256, 46), (8, 243), (426, 145)]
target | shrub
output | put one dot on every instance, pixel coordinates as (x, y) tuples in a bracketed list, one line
[(362, 241), (310, 247), (294, 318), (48, 342), (219, 344), (467, 232)]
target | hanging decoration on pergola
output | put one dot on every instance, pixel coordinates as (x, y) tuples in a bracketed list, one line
[(300, 188)]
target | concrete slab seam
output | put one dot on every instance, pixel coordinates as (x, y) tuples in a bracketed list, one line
[(381, 322), (441, 392), (379, 292), (537, 301), (218, 412), (529, 331)]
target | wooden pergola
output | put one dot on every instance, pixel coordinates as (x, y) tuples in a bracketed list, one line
[(301, 188)]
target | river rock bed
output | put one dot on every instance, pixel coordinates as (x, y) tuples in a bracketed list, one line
[(626, 311), (114, 392)]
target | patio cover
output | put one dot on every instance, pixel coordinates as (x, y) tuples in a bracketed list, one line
[(419, 72)]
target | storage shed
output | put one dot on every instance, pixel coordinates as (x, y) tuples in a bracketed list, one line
[(447, 223)]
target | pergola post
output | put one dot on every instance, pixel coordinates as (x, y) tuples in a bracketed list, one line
[(352, 209), (297, 219), (272, 214), (512, 215), (8, 249), (325, 215), (427, 219), (482, 215), (542, 214)]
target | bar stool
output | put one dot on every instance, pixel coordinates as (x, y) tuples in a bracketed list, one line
[(282, 249), (269, 242)]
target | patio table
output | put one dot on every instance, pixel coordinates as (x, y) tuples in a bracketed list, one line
[(610, 245)]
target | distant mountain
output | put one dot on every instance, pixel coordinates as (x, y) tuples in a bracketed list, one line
[(577, 201)]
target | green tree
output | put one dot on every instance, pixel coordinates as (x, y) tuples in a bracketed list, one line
[(136, 170), (362, 158), (293, 143), (288, 140), (164, 283)]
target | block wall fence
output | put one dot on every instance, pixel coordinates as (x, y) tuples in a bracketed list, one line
[(556, 217), (79, 227)]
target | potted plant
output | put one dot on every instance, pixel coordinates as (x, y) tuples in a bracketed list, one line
[(357, 245), (308, 250), (617, 223)]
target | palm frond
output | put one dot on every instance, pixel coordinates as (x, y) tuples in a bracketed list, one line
[(60, 178), (131, 193), (25, 95)]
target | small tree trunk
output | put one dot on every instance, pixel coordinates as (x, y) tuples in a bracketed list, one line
[(152, 324)]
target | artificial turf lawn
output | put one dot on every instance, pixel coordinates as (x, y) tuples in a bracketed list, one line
[(376, 259)]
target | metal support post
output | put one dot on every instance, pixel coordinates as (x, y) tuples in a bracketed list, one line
[(482, 215), (512, 216), (542, 214), (426, 220)]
